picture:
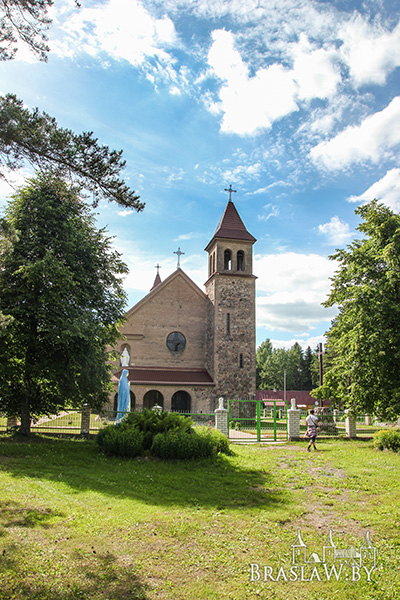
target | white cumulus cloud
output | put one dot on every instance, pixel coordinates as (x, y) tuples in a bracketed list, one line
[(336, 231), (123, 29), (291, 288), (375, 137), (370, 51), (249, 103), (314, 70), (387, 190)]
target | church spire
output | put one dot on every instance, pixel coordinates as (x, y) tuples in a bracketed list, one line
[(157, 280), (231, 226)]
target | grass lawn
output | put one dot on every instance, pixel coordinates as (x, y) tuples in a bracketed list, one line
[(75, 524)]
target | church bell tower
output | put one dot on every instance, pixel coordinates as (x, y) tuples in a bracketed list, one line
[(231, 289)]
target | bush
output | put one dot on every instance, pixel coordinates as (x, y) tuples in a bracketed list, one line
[(166, 435), (150, 423), (387, 438), (182, 445), (218, 439), (187, 445), (115, 440)]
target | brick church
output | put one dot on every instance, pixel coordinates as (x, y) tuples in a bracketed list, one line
[(185, 347)]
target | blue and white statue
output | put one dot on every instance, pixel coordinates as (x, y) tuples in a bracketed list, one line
[(123, 396)]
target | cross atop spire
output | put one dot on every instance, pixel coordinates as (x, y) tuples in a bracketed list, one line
[(179, 253), (230, 190), (157, 280)]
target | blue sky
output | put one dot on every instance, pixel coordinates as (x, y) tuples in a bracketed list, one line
[(295, 103)]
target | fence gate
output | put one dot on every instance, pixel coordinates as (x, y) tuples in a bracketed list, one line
[(249, 421)]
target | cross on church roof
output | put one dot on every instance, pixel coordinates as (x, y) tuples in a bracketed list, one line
[(179, 253), (230, 190), (158, 268)]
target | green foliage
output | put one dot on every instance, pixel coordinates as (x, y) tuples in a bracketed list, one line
[(60, 285), (387, 439), (150, 423), (35, 136), (174, 445), (273, 362), (189, 445), (364, 339), (220, 440), (118, 441), (165, 435)]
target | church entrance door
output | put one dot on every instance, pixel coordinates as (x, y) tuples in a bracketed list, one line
[(153, 398), (181, 402)]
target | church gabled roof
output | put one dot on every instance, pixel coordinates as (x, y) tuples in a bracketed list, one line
[(231, 226), (156, 289)]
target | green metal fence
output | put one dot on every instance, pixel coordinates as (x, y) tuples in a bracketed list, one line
[(249, 422)]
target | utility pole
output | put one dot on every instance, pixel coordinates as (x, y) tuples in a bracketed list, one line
[(284, 388)]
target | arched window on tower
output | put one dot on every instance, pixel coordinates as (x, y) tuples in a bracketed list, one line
[(213, 262), (240, 260), (227, 260), (210, 269)]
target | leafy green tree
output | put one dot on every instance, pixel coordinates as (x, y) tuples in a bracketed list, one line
[(364, 339), (7, 237), (60, 283), (35, 136), (273, 362), (295, 375), (308, 359), (264, 351)]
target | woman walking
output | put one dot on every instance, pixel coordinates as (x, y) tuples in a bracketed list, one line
[(312, 432)]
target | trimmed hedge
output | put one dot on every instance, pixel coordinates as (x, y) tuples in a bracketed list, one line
[(117, 441), (186, 445), (165, 435), (387, 439)]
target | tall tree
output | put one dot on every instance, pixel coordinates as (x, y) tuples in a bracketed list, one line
[(308, 358), (35, 136), (364, 339), (264, 352), (60, 282)]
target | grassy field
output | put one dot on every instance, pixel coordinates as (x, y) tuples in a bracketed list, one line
[(75, 524)]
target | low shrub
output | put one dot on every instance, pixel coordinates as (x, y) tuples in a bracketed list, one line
[(165, 435), (150, 423), (220, 441), (387, 439), (182, 445), (115, 440), (188, 445)]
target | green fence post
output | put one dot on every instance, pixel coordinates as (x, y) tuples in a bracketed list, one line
[(274, 420), (258, 421)]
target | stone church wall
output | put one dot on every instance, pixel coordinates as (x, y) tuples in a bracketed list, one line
[(235, 368), (177, 307)]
